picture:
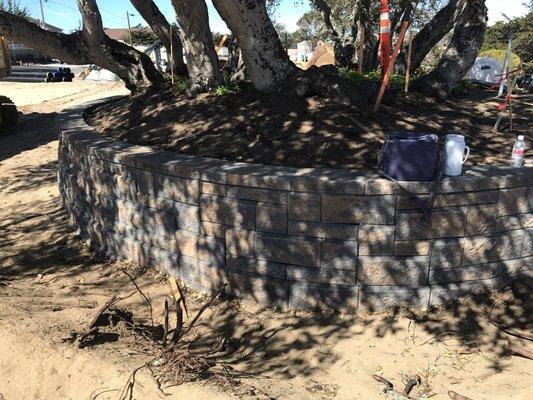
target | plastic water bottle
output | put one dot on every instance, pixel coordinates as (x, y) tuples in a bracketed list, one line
[(519, 148)]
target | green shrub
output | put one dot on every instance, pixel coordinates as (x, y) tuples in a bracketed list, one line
[(232, 87), (396, 80), (500, 56), (227, 88), (463, 87), (182, 83)]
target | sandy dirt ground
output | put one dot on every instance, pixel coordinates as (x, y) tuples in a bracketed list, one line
[(312, 132), (52, 285)]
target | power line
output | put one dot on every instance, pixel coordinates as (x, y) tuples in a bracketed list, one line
[(112, 13), (109, 14), (61, 4), (62, 13)]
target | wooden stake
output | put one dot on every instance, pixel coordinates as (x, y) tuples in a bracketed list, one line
[(408, 69), (361, 50), (165, 324), (221, 43), (179, 324), (101, 310), (456, 396), (386, 77), (171, 56), (506, 64), (510, 114), (177, 293), (510, 94)]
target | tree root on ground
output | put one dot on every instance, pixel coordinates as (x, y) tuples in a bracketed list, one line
[(389, 391), (172, 362)]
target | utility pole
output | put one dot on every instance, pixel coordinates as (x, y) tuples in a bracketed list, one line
[(129, 27), (42, 13)]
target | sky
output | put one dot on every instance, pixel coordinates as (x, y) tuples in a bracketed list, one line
[(64, 13)]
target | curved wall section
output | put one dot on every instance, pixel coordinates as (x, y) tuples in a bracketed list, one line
[(295, 237)]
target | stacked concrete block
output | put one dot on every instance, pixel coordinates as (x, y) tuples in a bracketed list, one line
[(297, 238)]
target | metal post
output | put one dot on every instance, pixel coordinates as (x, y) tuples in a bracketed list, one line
[(42, 14), (171, 55), (129, 27), (506, 65)]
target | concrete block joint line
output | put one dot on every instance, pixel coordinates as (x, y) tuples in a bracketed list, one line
[(296, 238)]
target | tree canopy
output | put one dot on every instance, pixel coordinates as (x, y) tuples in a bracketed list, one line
[(14, 7), (497, 35), (259, 43), (140, 36)]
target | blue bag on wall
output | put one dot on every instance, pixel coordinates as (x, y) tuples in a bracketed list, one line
[(409, 156)]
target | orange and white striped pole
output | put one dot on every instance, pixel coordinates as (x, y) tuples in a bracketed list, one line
[(384, 36)]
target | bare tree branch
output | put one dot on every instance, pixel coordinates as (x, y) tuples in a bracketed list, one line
[(89, 46)]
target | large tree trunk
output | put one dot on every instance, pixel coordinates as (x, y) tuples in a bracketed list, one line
[(370, 59), (159, 24), (202, 60), (461, 53), (429, 36), (133, 67), (267, 63)]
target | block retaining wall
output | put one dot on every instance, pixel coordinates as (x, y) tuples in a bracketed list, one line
[(295, 237)]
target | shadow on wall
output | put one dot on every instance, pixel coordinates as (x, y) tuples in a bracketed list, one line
[(221, 228), (296, 238)]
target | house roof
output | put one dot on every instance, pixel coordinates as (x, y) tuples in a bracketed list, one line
[(120, 33), (47, 27)]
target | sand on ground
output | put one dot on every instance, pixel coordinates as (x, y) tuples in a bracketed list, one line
[(51, 285)]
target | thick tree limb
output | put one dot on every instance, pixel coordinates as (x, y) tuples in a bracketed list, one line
[(202, 60), (179, 324), (132, 66), (388, 384), (67, 48), (410, 384), (161, 27), (206, 306), (325, 10), (267, 63), (370, 42), (85, 47), (461, 53), (93, 29), (429, 36)]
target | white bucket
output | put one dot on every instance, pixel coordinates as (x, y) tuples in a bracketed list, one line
[(454, 154)]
